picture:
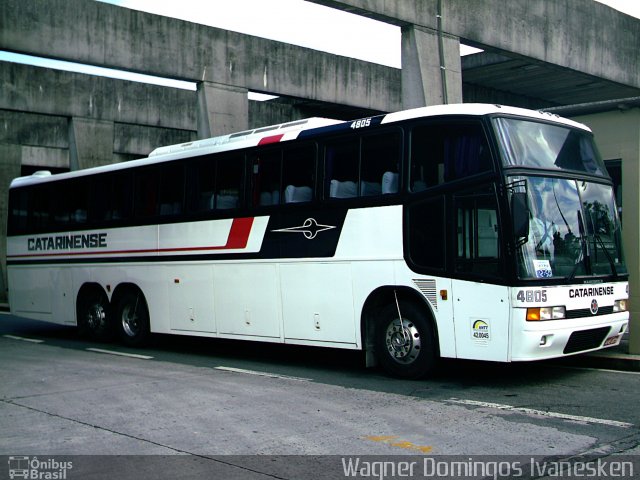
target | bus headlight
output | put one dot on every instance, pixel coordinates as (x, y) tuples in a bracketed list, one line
[(620, 306), (545, 313)]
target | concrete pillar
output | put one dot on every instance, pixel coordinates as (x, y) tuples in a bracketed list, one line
[(631, 224), (90, 143), (617, 134), (423, 82), (222, 109), (10, 162)]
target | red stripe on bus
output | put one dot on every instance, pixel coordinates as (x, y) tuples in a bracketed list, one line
[(239, 234), (271, 139), (238, 238)]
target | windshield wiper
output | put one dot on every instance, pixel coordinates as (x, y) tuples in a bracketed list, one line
[(614, 270), (584, 249)]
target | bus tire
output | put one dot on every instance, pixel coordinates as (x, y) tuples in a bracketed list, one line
[(132, 318), (94, 315), (407, 352)]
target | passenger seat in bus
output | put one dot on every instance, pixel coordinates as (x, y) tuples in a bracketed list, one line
[(293, 194), (346, 189), (269, 198), (224, 202), (390, 182)]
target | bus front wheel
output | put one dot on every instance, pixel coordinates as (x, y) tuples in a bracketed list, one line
[(132, 317), (405, 341)]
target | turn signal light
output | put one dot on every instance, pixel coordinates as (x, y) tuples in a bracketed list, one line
[(545, 313), (533, 314)]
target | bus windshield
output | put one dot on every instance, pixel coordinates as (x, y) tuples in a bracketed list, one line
[(574, 229), (526, 143)]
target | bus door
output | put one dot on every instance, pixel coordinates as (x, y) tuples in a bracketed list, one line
[(480, 307)]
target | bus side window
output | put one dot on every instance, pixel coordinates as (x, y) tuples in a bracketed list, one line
[(171, 189), (341, 169), (443, 153), (18, 211), (298, 174), (110, 198), (202, 176), (40, 205), (71, 204), (29, 210), (380, 160), (147, 183), (266, 168), (78, 205), (229, 180), (120, 205), (477, 233)]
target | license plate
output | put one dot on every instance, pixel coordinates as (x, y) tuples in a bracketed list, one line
[(612, 341)]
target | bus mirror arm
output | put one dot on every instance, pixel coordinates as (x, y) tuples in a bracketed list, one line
[(520, 214)]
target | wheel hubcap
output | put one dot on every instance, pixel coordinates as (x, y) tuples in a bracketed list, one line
[(130, 322), (403, 341), (96, 316)]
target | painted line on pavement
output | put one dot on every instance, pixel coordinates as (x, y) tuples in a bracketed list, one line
[(121, 354), (531, 411), (23, 339), (262, 374)]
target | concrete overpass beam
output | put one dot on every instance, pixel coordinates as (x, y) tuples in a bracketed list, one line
[(431, 68), (222, 109), (90, 143)]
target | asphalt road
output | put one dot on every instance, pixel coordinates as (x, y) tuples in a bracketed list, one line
[(209, 400)]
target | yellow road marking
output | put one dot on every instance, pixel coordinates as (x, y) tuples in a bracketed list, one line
[(393, 441)]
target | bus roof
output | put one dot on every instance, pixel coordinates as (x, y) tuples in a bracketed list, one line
[(479, 109), (308, 128), (256, 135)]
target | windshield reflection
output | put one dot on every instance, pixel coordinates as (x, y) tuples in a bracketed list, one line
[(603, 228), (554, 147), (573, 230)]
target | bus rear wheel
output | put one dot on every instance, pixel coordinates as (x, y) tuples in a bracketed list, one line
[(132, 317), (94, 315), (405, 343)]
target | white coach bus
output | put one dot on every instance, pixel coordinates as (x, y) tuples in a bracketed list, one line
[(461, 231)]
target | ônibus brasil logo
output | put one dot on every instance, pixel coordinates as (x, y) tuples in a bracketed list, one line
[(34, 468)]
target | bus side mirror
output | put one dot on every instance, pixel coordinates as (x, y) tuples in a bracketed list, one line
[(520, 214)]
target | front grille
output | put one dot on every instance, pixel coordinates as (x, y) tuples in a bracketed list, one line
[(585, 312), (586, 340)]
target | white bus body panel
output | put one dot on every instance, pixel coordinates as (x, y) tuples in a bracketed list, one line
[(247, 300), (481, 318), (371, 234), (317, 302), (191, 298)]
